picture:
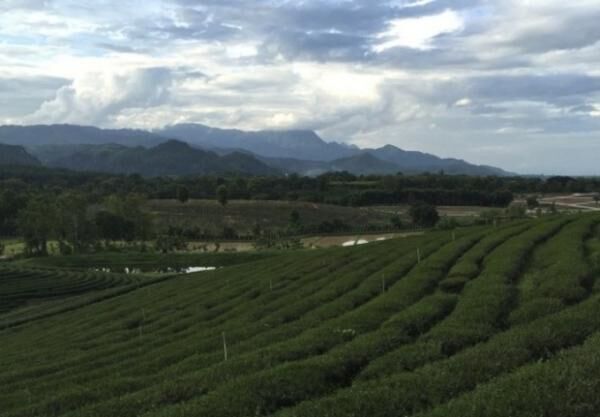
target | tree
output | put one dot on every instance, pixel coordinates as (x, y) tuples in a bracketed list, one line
[(111, 226), (183, 195), (222, 194), (75, 228), (532, 202), (424, 215), (516, 211), (396, 221), (131, 209), (11, 202), (37, 223), (490, 215), (170, 242)]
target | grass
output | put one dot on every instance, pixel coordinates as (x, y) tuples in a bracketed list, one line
[(491, 321)]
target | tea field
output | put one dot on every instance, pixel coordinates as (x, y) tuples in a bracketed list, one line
[(485, 321)]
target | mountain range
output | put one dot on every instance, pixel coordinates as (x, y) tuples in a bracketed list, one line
[(168, 158), (193, 149)]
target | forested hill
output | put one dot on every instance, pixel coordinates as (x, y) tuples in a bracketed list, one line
[(169, 158), (16, 155), (301, 152)]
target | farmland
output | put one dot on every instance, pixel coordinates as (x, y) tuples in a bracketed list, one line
[(243, 216), (492, 321)]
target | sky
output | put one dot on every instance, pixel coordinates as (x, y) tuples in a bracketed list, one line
[(510, 83)]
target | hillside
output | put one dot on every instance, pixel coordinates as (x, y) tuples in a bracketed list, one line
[(360, 164), (369, 331), (365, 164), (290, 151), (16, 155), (297, 144), (168, 158), (415, 162)]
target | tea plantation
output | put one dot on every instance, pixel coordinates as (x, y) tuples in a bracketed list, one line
[(486, 321)]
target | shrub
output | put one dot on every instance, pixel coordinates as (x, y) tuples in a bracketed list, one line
[(424, 215)]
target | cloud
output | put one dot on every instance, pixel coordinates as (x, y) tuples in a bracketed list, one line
[(463, 78), (20, 96), (550, 25), (418, 33), (96, 98)]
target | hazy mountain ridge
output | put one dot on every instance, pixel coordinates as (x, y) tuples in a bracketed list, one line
[(16, 155), (168, 158), (297, 144), (255, 153)]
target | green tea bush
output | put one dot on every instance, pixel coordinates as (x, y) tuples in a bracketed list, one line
[(439, 382)]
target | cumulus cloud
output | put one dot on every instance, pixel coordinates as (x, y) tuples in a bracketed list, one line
[(97, 98)]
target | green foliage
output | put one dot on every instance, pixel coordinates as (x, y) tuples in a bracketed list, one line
[(76, 229), (222, 195), (447, 223), (532, 202), (424, 215), (491, 321), (183, 195), (170, 243), (396, 221), (516, 211), (276, 241), (37, 223)]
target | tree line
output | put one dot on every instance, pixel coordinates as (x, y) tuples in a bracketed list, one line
[(336, 188)]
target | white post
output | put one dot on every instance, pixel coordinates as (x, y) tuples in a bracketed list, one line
[(418, 255), (224, 347)]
